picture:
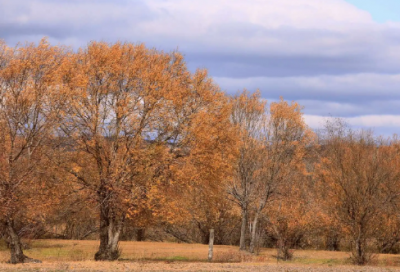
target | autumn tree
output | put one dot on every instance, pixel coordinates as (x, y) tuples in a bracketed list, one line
[(285, 137), (194, 194), (359, 177), (387, 234), (248, 115), (132, 112), (207, 165), (29, 111), (293, 215)]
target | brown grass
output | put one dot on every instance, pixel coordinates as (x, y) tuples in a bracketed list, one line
[(91, 266), (66, 255)]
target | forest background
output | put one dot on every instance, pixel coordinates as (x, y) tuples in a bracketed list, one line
[(120, 142)]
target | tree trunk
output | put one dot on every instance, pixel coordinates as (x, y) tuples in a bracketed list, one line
[(332, 242), (359, 252), (17, 254), (109, 235), (15, 245), (204, 234), (285, 250), (109, 238), (205, 237), (243, 230), (360, 255), (253, 240), (141, 234)]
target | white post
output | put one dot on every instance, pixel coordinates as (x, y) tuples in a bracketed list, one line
[(211, 245)]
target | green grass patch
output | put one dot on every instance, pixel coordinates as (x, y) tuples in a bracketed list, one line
[(178, 258), (44, 244)]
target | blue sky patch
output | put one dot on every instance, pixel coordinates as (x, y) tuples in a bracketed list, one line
[(381, 10)]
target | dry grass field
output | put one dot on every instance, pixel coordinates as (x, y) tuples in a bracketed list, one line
[(65, 255)]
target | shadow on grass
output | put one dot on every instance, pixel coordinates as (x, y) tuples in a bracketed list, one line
[(45, 244), (311, 261), (162, 259), (175, 259)]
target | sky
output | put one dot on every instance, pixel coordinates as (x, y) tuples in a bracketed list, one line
[(337, 58)]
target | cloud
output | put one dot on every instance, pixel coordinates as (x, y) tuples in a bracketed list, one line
[(385, 124), (339, 88), (328, 54), (346, 96), (349, 109), (232, 38)]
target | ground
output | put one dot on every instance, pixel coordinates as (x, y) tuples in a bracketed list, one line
[(66, 255)]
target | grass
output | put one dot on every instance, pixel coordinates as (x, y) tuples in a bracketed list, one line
[(178, 258), (320, 257), (330, 262), (61, 255), (70, 250)]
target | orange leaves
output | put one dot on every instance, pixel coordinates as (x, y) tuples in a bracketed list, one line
[(271, 155), (133, 126), (357, 175), (30, 84), (146, 127), (208, 145)]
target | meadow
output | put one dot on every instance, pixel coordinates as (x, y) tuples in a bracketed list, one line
[(72, 255)]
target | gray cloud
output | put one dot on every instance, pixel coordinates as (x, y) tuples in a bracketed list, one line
[(350, 109), (328, 55), (227, 46), (340, 88), (252, 65)]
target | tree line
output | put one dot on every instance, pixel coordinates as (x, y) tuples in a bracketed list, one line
[(117, 141)]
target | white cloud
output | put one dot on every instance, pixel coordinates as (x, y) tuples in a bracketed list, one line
[(267, 26), (327, 54), (305, 14), (307, 28)]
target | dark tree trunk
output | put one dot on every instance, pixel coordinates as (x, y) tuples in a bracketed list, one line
[(15, 245), (17, 254), (332, 242), (359, 256), (141, 235), (204, 234), (285, 251), (205, 238), (243, 230)]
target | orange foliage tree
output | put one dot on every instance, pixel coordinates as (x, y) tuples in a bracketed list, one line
[(29, 112), (135, 117), (292, 216), (248, 116), (204, 164), (359, 177), (284, 140)]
